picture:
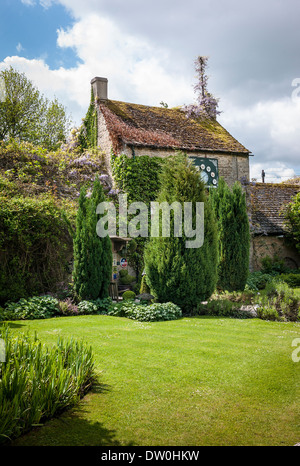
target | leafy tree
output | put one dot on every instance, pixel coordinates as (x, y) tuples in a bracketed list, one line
[(173, 271), (92, 254), (55, 125), (234, 236), (292, 216), (27, 115)]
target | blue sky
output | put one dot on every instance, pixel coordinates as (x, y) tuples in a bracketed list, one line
[(31, 32), (147, 51)]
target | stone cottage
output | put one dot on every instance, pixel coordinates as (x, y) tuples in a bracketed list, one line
[(136, 130)]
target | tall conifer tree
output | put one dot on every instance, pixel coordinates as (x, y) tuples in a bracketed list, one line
[(173, 271), (92, 254), (234, 236)]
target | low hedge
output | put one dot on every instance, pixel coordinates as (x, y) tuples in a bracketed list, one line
[(45, 307), (145, 313), (224, 308), (35, 246)]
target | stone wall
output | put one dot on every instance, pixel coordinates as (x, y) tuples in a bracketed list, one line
[(104, 141), (262, 246), (231, 167)]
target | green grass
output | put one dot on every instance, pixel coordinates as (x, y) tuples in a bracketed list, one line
[(192, 382)]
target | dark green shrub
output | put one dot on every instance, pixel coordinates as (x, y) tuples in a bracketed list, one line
[(128, 295), (234, 236), (174, 272), (273, 265), (150, 313), (292, 279), (103, 304), (38, 307), (258, 280), (139, 178), (35, 246), (125, 278), (92, 254)]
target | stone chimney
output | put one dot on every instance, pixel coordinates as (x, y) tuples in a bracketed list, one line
[(99, 86)]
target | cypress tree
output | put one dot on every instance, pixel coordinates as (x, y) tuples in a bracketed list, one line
[(234, 236), (173, 271), (102, 260), (79, 265), (92, 254)]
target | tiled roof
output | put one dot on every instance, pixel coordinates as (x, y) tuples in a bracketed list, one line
[(267, 203), (161, 127)]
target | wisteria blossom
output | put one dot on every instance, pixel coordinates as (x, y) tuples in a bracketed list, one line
[(207, 104)]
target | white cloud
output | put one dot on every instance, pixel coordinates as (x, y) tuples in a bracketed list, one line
[(271, 130), (44, 3), (68, 85), (19, 47), (28, 2), (251, 73), (136, 71), (275, 173)]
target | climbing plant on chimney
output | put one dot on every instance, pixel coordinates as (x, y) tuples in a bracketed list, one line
[(89, 129), (207, 104)]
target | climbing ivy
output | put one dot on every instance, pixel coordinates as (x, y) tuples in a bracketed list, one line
[(88, 135), (139, 177)]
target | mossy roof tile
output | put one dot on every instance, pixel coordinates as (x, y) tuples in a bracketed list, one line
[(268, 202), (166, 127)]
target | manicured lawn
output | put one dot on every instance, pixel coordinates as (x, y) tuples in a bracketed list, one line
[(190, 382)]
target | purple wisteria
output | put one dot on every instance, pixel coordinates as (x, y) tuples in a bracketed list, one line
[(207, 104)]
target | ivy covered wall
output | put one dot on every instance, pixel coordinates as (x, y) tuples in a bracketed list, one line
[(88, 137), (139, 178)]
